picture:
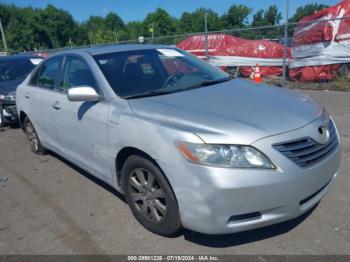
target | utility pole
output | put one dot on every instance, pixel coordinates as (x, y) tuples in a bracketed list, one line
[(285, 45), (115, 36), (206, 34), (70, 42), (90, 37), (3, 37), (152, 31)]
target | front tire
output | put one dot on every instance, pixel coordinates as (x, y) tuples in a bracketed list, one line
[(150, 196), (33, 138)]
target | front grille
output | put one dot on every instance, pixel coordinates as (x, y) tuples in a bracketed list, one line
[(306, 151), (7, 103)]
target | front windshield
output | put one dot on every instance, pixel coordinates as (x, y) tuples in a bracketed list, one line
[(151, 72), (15, 69)]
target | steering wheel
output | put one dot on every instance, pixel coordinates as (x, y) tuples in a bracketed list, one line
[(172, 78)]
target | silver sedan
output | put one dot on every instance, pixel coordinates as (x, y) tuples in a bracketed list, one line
[(185, 144)]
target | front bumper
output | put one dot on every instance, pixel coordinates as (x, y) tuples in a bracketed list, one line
[(9, 111), (224, 200)]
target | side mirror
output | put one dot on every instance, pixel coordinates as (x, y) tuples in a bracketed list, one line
[(83, 93)]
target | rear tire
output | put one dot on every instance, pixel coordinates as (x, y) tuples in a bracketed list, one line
[(150, 196), (33, 138)]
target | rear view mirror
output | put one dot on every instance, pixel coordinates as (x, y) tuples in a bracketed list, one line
[(83, 93)]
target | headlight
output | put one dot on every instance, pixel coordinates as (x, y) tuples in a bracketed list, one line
[(8, 97), (235, 156)]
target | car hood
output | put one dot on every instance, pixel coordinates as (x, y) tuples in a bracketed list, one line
[(8, 87), (237, 111)]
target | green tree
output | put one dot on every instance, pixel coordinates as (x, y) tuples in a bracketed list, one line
[(185, 23), (134, 29), (194, 22), (59, 25), (306, 10), (19, 36), (162, 23), (271, 16), (114, 22), (259, 18), (115, 27), (105, 29), (236, 16)]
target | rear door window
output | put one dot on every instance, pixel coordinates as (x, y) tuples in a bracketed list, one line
[(45, 76)]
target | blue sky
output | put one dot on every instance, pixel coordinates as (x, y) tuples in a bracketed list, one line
[(131, 10)]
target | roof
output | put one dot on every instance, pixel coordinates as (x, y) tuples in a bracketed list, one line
[(18, 57), (111, 49)]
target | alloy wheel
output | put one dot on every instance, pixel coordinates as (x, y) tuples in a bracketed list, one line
[(147, 195)]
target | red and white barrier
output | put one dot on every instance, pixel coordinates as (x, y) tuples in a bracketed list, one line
[(226, 50), (319, 48)]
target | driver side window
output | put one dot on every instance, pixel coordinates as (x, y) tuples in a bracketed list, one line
[(76, 73)]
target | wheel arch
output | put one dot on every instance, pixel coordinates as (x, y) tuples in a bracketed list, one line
[(22, 116), (125, 153)]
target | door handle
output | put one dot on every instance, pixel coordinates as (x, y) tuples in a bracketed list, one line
[(26, 95), (56, 105)]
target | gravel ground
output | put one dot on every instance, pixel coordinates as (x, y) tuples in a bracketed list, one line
[(49, 206)]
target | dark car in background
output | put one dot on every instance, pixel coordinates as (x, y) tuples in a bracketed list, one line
[(13, 70)]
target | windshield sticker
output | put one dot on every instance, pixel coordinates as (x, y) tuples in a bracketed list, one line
[(103, 61), (170, 52), (36, 61)]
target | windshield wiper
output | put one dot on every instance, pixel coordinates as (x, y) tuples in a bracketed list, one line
[(159, 92), (147, 94), (213, 82), (207, 83)]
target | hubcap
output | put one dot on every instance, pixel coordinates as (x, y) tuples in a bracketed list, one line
[(147, 195), (32, 136)]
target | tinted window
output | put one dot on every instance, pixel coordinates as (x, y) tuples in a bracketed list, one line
[(138, 72), (45, 76), (76, 73), (16, 69)]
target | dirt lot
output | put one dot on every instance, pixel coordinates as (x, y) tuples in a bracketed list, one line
[(48, 206)]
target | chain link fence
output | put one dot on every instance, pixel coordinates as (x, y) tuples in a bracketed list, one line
[(320, 54)]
